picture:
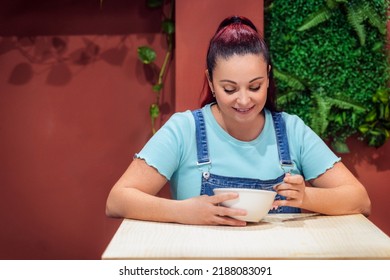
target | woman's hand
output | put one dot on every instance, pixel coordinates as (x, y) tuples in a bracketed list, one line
[(205, 210), (293, 188)]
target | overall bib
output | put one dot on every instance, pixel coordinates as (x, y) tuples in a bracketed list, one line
[(211, 181)]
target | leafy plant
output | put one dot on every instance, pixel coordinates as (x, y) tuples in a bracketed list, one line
[(325, 74), (147, 55), (376, 128), (358, 12)]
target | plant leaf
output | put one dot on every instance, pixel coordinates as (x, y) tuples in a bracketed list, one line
[(371, 117), (387, 113), (382, 95), (374, 19), (157, 88), (315, 19), (320, 122), (378, 46), (146, 54), (291, 81), (154, 3), (332, 4), (343, 103), (340, 147), (364, 128), (154, 111), (355, 16), (168, 26), (285, 98)]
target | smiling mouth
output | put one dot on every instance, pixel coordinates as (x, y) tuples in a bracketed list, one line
[(243, 110)]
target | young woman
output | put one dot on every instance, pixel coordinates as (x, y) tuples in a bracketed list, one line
[(237, 139)]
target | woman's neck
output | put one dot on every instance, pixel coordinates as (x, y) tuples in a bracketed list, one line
[(241, 131)]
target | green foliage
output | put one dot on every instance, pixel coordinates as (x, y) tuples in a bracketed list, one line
[(154, 112), (147, 55), (168, 26), (292, 82), (154, 3), (376, 128), (357, 11), (325, 72), (316, 18), (355, 16)]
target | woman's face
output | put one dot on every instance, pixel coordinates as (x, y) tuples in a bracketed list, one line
[(240, 84)]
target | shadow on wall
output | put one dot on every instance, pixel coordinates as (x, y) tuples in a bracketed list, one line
[(50, 56)]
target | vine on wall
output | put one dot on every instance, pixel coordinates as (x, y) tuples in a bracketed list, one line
[(148, 55)]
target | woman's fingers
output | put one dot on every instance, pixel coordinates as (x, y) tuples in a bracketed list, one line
[(226, 211), (219, 198), (224, 220), (286, 190), (223, 214), (293, 179), (293, 189), (289, 193)]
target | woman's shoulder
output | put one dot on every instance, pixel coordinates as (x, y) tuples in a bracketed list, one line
[(289, 119), (180, 123), (186, 117), (296, 128), (181, 116)]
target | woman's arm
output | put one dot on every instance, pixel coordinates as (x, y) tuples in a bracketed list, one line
[(134, 196), (336, 192)]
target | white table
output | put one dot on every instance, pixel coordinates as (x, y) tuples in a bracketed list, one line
[(277, 236)]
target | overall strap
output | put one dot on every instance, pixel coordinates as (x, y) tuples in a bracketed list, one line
[(282, 141), (201, 138)]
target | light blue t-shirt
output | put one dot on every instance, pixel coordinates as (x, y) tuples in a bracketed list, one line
[(172, 151)]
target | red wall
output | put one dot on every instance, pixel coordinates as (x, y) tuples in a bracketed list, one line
[(372, 167), (73, 113)]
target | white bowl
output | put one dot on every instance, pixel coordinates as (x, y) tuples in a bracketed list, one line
[(257, 203)]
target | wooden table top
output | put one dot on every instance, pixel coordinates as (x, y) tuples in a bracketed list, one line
[(277, 236)]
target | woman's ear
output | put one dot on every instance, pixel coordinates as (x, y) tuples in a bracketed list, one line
[(209, 80)]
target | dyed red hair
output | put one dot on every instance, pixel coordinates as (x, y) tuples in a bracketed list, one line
[(236, 36)]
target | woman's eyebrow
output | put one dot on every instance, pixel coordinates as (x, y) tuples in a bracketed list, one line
[(229, 81), (257, 78)]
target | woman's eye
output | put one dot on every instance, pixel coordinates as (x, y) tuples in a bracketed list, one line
[(228, 90), (254, 88)]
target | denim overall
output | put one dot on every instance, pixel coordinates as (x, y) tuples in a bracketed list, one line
[(211, 181)]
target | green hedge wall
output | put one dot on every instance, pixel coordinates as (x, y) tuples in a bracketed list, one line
[(327, 74)]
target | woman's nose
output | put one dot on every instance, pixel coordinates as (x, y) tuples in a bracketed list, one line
[(243, 98)]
